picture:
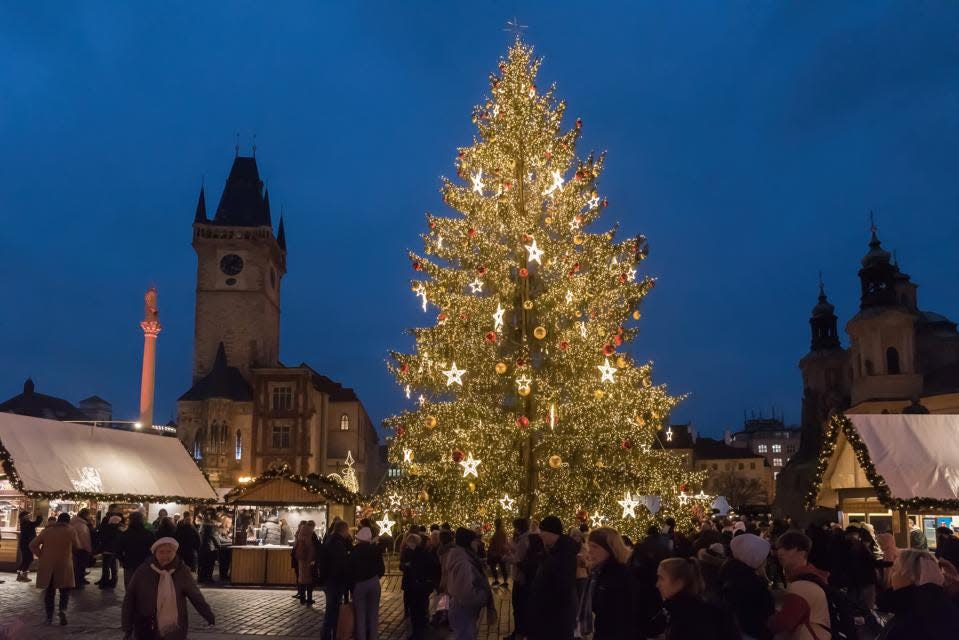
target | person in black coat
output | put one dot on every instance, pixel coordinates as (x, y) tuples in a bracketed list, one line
[(28, 531), (610, 586), (133, 546), (552, 601), (209, 550), (744, 591), (922, 608), (107, 537), (189, 540), (421, 574), (688, 616), (334, 575)]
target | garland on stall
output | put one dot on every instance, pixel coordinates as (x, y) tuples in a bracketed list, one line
[(318, 485), (9, 468), (840, 422)]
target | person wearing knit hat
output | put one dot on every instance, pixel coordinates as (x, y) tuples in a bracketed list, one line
[(108, 536), (552, 604), (155, 602), (743, 590), (366, 567), (464, 580)]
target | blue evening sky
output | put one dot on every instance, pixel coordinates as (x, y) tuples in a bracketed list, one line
[(747, 140)]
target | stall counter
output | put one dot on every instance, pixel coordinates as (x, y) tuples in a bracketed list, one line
[(262, 564)]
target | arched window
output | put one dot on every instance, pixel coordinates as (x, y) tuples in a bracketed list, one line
[(239, 445), (344, 422), (197, 449), (892, 361)]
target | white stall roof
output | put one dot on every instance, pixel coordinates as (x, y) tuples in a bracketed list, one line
[(53, 457)]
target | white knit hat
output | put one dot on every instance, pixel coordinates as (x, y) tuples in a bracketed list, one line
[(364, 535), (749, 549), (162, 541)]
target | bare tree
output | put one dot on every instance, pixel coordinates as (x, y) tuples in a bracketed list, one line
[(738, 490)]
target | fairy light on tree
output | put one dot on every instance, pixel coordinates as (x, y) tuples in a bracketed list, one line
[(525, 367)]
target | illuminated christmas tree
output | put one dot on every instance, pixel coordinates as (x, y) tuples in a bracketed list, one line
[(522, 400)]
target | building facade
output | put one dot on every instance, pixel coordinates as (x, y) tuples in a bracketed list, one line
[(246, 410), (770, 438), (743, 477)]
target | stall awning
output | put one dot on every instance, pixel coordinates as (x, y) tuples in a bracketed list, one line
[(280, 486), (50, 459), (911, 461)]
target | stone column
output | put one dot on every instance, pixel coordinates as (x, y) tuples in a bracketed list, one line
[(151, 329)]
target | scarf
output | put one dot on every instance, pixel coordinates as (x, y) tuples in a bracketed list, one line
[(584, 617), (167, 615)]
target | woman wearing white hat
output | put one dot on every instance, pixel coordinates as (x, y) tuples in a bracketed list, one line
[(154, 607)]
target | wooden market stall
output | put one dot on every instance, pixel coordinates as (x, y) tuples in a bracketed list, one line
[(281, 495), (886, 468)]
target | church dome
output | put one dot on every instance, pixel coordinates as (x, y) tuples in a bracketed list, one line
[(876, 254)]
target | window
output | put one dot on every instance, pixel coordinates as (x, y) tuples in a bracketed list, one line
[(742, 466), (777, 448), (394, 472), (752, 465), (239, 445), (791, 449), (775, 474), (777, 462), (715, 466), (282, 397), (761, 448), (281, 437), (344, 422), (892, 361), (197, 449)]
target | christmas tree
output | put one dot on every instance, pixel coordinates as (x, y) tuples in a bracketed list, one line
[(522, 399)]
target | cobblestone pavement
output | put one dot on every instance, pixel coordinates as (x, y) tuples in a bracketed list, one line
[(240, 613)]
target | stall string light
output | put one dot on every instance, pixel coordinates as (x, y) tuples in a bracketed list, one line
[(324, 486)]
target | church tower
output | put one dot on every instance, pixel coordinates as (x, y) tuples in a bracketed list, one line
[(240, 265)]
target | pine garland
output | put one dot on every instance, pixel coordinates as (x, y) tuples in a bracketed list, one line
[(327, 487)]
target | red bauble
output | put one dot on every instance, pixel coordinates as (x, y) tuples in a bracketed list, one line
[(432, 225), (457, 455), (548, 154), (617, 340), (520, 363), (522, 422), (622, 278), (417, 266), (441, 317), (487, 527), (404, 368), (682, 487), (626, 444), (463, 317), (502, 66), (481, 271), (564, 345), (579, 175), (609, 350), (491, 337), (619, 331), (400, 431), (582, 515), (579, 123), (523, 272), (471, 232), (605, 202), (576, 268), (507, 185)]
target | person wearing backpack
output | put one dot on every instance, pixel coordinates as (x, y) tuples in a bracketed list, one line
[(807, 613)]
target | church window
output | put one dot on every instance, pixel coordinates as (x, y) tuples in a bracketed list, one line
[(283, 397), (761, 448), (197, 449), (281, 437), (777, 462), (777, 448), (344, 422), (239, 444), (892, 361)]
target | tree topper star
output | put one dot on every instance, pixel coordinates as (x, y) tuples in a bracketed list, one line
[(608, 371), (477, 180), (629, 504), (469, 466), (535, 253), (476, 286), (506, 502), (456, 375)]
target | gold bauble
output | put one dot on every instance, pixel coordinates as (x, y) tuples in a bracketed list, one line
[(501, 368), (422, 496), (414, 469), (621, 362), (577, 239), (600, 464), (471, 486), (431, 421), (528, 304), (523, 391), (481, 511), (539, 332), (640, 420), (555, 462), (636, 315), (599, 394), (548, 220), (579, 313)]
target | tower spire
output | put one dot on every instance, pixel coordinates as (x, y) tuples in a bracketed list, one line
[(281, 232), (151, 329), (823, 322), (200, 215)]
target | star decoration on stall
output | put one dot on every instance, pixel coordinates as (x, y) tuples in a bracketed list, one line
[(669, 434), (608, 371), (506, 502), (569, 297), (597, 519), (702, 495), (420, 291), (421, 399), (477, 180), (454, 375), (629, 504), (385, 524), (557, 184), (498, 317), (535, 253), (476, 286), (469, 466)]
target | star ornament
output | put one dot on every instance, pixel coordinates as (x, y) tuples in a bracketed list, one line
[(631, 275), (454, 375), (469, 466), (608, 371), (535, 253), (557, 184), (597, 519), (394, 500), (569, 297), (629, 504), (684, 498), (385, 524), (593, 202), (524, 381), (476, 286), (498, 317), (506, 502), (407, 455), (477, 180)]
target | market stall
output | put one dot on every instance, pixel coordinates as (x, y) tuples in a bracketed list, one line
[(49, 467), (886, 468), (279, 500)]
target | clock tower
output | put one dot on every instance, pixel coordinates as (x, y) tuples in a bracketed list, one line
[(240, 264)]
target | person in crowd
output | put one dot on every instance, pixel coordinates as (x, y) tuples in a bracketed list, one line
[(711, 560), (947, 545), (804, 614), (366, 567), (176, 518), (165, 528), (334, 575), (552, 603), (154, 605), (608, 595), (84, 552), (329, 532), (917, 538), (688, 616), (496, 553), (133, 546), (420, 576), (582, 575), (744, 590), (28, 531), (55, 548), (920, 606), (304, 555), (647, 603), (209, 549), (515, 554), (887, 542), (856, 567), (286, 534), (224, 538), (188, 540), (161, 514), (464, 580), (107, 539)]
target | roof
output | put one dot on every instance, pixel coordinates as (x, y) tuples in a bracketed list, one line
[(243, 203), (711, 449), (280, 485), (336, 391), (47, 459), (95, 400), (223, 381), (931, 317), (39, 405), (910, 460), (682, 437)]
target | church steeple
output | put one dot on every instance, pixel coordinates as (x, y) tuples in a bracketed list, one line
[(242, 203), (877, 276), (281, 234), (200, 215), (823, 323)]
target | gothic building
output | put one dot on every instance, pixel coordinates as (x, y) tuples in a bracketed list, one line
[(900, 359), (247, 410)]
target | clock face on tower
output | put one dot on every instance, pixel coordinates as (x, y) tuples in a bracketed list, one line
[(231, 264)]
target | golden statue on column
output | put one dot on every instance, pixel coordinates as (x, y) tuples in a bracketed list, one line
[(151, 329)]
